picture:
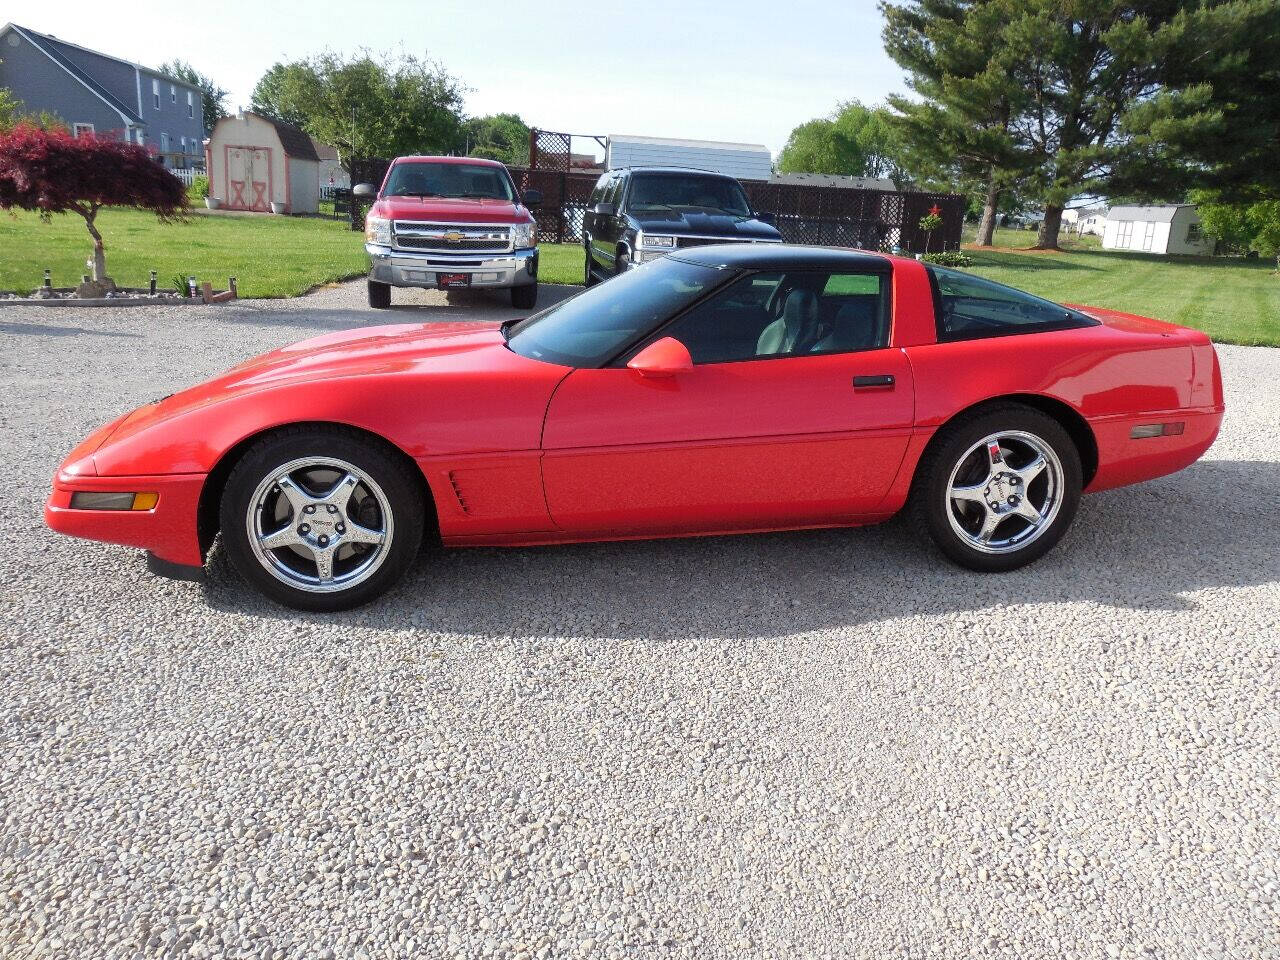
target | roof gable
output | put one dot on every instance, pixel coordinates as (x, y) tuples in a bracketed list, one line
[(1155, 214), (50, 50), (293, 139)]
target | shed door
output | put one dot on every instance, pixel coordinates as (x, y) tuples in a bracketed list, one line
[(248, 178)]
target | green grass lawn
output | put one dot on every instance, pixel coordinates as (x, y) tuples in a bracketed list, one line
[(269, 256), (1233, 300)]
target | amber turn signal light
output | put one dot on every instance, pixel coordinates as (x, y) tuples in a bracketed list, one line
[(104, 500)]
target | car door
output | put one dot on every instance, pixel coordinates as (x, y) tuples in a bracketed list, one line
[(775, 425)]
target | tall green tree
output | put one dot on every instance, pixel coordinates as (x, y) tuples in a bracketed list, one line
[(502, 136), (368, 105), (212, 97), (855, 141), (958, 130)]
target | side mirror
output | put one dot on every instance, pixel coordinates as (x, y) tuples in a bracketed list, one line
[(604, 209), (662, 358), (763, 217), (365, 191), (533, 198)]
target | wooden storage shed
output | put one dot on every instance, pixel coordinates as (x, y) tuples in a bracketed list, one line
[(254, 161)]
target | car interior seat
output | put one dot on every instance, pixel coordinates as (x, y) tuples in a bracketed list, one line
[(852, 328), (791, 331)]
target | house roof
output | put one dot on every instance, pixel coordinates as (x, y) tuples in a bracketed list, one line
[(324, 151), (831, 180), (49, 47), (128, 63), (1158, 214), (703, 144)]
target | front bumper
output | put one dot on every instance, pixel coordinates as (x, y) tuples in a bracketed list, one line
[(169, 529), (404, 268)]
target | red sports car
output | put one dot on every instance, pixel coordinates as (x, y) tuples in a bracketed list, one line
[(720, 389)]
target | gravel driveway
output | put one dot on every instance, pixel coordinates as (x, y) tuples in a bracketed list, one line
[(824, 744)]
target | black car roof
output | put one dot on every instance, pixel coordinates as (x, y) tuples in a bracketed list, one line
[(783, 256)]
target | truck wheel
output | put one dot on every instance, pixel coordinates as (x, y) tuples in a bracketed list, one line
[(526, 297), (379, 295)]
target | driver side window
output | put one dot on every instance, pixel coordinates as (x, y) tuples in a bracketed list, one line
[(787, 314)]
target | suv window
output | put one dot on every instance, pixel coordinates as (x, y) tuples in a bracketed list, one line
[(597, 192), (969, 307), (791, 313), (687, 191)]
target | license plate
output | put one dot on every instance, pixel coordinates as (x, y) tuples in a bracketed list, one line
[(446, 280)]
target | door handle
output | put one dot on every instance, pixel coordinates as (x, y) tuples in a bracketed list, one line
[(879, 380)]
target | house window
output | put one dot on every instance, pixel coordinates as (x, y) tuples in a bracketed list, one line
[(164, 148), (82, 129), (191, 105), (1193, 233), (155, 92), (173, 93)]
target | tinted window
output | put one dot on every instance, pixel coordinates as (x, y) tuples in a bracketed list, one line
[(598, 323), (597, 192), (787, 314), (685, 191), (970, 306), (449, 180)]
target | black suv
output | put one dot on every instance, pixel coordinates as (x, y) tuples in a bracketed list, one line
[(641, 213)]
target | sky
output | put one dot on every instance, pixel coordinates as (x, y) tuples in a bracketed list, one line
[(738, 70)]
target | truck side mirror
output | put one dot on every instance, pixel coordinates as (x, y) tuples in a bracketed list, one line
[(366, 191), (763, 217), (604, 209), (533, 198)]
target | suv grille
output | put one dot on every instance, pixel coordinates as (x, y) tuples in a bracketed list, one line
[(706, 241), (451, 238)]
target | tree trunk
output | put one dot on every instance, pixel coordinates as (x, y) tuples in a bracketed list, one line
[(99, 253), (1049, 227), (990, 213)]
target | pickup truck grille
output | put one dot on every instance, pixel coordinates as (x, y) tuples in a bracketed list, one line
[(451, 237)]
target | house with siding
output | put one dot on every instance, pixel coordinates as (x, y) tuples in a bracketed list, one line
[(97, 93)]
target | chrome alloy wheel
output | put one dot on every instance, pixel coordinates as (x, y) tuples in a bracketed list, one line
[(1004, 492), (320, 525)]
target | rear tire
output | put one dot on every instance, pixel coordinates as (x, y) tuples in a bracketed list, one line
[(322, 518), (998, 489), (379, 295), (526, 297)]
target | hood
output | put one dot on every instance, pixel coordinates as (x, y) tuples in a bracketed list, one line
[(446, 347), (451, 210), (698, 223)]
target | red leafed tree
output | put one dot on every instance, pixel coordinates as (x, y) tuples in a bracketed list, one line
[(53, 172)]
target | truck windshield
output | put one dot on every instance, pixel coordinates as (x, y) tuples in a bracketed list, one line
[(448, 180), (657, 191), (597, 324)]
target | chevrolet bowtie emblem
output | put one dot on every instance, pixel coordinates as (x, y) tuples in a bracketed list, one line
[(453, 236)]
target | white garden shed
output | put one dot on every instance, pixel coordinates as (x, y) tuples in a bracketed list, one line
[(1170, 228), (254, 161), (746, 161)]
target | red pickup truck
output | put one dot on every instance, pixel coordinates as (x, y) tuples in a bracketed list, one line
[(450, 222)]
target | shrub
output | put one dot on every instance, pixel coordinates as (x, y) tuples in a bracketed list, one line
[(198, 190), (950, 258)]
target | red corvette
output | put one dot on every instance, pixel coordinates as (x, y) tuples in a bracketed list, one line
[(719, 389)]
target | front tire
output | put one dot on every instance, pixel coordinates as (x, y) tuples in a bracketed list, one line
[(322, 519), (998, 489), (526, 297), (379, 295)]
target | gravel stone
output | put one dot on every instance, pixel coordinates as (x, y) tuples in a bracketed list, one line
[(821, 744)]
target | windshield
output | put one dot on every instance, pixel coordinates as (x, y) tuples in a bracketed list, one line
[(683, 191), (599, 323), (448, 180)]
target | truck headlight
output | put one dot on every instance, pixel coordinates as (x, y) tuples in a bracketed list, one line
[(524, 235), (377, 230), (657, 240)]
